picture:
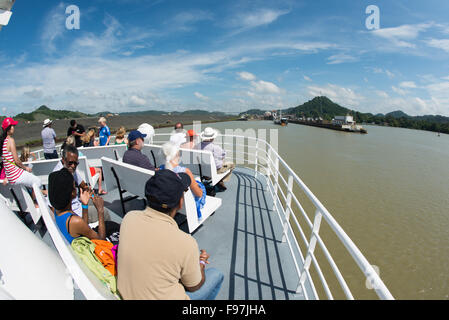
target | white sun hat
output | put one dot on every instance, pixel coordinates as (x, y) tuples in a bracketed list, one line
[(47, 122), (208, 134)]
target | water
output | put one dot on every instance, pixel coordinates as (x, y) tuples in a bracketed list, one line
[(387, 189)]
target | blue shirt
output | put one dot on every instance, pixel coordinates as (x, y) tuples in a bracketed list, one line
[(104, 135), (61, 221)]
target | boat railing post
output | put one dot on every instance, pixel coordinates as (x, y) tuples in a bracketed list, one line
[(288, 207), (255, 160), (276, 179), (310, 249)]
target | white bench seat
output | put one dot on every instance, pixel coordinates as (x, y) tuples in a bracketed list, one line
[(43, 168), (200, 162), (123, 176), (94, 154)]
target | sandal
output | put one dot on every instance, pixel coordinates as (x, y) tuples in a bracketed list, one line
[(102, 192)]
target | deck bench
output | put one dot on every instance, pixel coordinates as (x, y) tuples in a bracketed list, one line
[(200, 162), (123, 176)]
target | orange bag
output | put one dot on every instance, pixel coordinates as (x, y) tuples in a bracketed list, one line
[(103, 250)]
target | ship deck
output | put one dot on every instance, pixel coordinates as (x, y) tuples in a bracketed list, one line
[(243, 239)]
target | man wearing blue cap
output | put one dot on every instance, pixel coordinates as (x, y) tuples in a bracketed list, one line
[(157, 260), (134, 153)]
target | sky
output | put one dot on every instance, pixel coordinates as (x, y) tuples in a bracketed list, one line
[(231, 56)]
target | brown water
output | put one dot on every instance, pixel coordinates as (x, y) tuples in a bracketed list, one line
[(387, 189)]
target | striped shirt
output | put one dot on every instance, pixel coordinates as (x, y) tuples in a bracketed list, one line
[(13, 172)]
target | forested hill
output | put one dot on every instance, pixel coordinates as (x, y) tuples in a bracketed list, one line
[(327, 109), (44, 112)]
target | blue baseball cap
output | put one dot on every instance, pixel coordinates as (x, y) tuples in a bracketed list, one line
[(166, 188), (133, 135)]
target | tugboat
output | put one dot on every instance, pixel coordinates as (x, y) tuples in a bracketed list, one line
[(283, 121)]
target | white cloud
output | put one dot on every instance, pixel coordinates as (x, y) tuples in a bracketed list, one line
[(184, 20), (265, 87), (54, 28), (399, 91), (201, 96), (382, 94), (246, 76), (442, 44), (408, 84), (341, 58), (399, 35), (249, 20), (338, 94), (381, 71), (307, 78), (137, 101)]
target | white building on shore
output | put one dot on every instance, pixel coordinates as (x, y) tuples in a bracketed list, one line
[(343, 120)]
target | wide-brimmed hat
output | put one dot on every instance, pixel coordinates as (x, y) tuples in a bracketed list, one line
[(47, 122), (8, 122), (208, 134)]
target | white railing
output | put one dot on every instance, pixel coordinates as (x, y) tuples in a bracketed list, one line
[(266, 161)]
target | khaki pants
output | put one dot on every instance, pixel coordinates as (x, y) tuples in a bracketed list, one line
[(226, 166)]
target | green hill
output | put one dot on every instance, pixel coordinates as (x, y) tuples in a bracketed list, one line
[(327, 109), (319, 107), (44, 112), (397, 114)]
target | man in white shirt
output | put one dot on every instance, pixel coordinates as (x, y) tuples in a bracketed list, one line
[(207, 138), (48, 140)]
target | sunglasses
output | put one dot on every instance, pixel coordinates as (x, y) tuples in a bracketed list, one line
[(73, 163)]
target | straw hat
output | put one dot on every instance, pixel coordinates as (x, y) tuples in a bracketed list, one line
[(208, 134)]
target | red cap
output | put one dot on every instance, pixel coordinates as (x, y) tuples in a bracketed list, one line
[(191, 133), (8, 122)]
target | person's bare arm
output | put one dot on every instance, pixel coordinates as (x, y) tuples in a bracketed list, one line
[(197, 191), (99, 205), (204, 256)]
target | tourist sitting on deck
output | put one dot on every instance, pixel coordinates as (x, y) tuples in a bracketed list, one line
[(26, 155), (190, 137), (16, 172), (104, 133), (62, 191), (48, 140), (89, 139), (93, 170), (178, 136), (172, 160), (120, 136), (134, 153), (207, 138), (69, 161), (77, 131), (157, 260)]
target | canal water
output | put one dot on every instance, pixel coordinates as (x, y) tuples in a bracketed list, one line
[(387, 189)]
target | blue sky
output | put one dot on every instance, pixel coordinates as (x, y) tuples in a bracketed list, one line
[(132, 55)]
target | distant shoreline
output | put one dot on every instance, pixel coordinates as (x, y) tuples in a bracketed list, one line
[(30, 133)]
